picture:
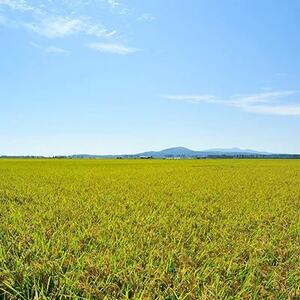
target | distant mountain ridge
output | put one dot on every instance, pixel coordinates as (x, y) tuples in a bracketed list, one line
[(238, 150), (185, 152), (181, 152)]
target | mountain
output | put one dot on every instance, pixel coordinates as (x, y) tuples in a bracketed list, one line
[(237, 150), (185, 152), (182, 152), (177, 151)]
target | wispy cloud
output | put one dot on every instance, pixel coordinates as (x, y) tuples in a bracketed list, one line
[(113, 3), (193, 98), (57, 27), (112, 48), (45, 20), (280, 110), (146, 17), (264, 97), (19, 5), (49, 20), (262, 103), (281, 74), (50, 49), (118, 7)]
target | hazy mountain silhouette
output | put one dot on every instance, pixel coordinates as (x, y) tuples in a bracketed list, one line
[(185, 152)]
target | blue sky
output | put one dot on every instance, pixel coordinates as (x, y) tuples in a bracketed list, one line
[(117, 76)]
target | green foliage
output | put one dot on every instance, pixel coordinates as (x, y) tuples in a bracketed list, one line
[(135, 229)]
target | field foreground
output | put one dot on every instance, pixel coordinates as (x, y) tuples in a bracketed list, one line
[(135, 229)]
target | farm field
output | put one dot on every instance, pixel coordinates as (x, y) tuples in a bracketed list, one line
[(149, 229)]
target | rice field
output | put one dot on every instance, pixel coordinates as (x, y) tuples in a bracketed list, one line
[(149, 229)]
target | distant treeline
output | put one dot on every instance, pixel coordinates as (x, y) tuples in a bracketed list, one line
[(285, 156), (34, 157)]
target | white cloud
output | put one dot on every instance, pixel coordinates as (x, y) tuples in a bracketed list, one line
[(49, 19), (19, 5), (281, 110), (57, 50), (146, 17), (265, 97), (112, 48), (46, 21), (57, 27), (113, 3), (50, 49), (118, 7), (192, 98), (262, 103), (281, 74)]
